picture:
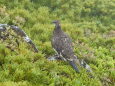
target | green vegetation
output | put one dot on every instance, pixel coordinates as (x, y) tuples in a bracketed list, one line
[(90, 23)]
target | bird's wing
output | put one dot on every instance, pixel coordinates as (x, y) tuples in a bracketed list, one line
[(67, 40), (63, 45)]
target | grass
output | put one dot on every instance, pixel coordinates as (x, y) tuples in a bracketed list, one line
[(90, 23)]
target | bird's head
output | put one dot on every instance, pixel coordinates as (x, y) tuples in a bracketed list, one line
[(56, 22)]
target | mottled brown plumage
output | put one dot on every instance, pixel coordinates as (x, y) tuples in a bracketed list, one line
[(62, 44)]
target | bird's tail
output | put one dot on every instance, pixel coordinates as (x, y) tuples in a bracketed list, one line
[(73, 64)]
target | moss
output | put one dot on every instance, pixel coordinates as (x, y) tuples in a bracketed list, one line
[(89, 23)]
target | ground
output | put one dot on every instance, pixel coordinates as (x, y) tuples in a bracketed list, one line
[(90, 23)]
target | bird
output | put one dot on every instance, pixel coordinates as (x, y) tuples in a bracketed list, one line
[(62, 44)]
